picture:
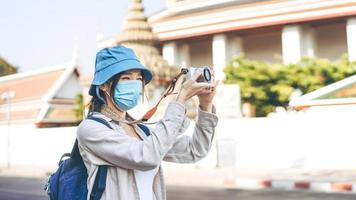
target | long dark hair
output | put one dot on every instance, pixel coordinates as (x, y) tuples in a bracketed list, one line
[(96, 104)]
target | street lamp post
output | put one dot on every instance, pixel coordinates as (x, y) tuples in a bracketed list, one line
[(7, 96)]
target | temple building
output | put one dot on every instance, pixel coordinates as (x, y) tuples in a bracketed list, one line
[(137, 34), (211, 32), (194, 33), (41, 98)]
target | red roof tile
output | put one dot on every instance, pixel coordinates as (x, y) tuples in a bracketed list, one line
[(31, 87)]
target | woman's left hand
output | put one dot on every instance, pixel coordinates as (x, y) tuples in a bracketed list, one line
[(206, 97)]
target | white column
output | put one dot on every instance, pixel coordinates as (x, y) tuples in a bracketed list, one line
[(169, 53), (308, 42), (219, 55), (291, 43), (185, 56), (351, 38), (235, 47)]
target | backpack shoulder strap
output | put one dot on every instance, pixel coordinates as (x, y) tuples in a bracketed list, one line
[(100, 120), (75, 151), (145, 129), (100, 179), (99, 183)]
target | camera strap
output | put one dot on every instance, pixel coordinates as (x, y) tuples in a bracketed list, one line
[(152, 111), (168, 91)]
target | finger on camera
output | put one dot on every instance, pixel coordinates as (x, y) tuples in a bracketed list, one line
[(205, 92)]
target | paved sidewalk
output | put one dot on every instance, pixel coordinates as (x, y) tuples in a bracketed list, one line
[(187, 175), (26, 172), (312, 180)]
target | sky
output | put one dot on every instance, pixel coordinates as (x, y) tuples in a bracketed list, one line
[(41, 33)]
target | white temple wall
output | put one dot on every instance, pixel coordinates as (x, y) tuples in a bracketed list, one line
[(311, 140)]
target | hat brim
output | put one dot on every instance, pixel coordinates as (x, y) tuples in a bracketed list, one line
[(104, 75)]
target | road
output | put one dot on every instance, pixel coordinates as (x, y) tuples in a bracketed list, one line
[(31, 189)]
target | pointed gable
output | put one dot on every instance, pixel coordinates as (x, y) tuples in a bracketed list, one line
[(69, 87)]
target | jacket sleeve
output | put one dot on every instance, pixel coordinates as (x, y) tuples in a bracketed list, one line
[(189, 149), (103, 146)]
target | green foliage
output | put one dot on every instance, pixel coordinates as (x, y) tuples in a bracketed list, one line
[(6, 68), (268, 85), (79, 109)]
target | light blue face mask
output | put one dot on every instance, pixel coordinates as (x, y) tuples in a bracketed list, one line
[(127, 94)]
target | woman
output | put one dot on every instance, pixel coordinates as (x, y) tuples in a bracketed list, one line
[(134, 159)]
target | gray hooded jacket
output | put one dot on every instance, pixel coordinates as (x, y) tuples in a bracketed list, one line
[(99, 145)]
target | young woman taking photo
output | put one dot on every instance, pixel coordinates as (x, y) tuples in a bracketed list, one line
[(134, 157)]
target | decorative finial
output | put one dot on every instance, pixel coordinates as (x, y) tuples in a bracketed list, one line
[(75, 54)]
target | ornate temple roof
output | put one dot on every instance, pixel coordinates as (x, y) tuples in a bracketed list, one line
[(137, 34)]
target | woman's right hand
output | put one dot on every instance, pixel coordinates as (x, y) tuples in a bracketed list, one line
[(190, 87)]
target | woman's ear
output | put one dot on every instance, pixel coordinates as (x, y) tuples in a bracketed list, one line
[(103, 87), (106, 87)]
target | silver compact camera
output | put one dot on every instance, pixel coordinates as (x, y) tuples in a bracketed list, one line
[(204, 71)]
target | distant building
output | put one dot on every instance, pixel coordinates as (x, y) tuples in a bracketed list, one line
[(211, 32), (195, 33), (341, 94), (137, 34), (44, 97)]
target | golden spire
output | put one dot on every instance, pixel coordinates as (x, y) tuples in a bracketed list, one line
[(137, 34)]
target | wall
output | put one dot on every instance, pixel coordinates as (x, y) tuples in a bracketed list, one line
[(33, 148), (317, 139)]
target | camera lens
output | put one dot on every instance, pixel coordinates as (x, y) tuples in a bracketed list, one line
[(207, 74)]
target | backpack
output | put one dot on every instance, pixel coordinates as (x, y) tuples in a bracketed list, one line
[(69, 182)]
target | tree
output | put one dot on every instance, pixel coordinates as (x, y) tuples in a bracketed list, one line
[(6, 68), (79, 107), (267, 86)]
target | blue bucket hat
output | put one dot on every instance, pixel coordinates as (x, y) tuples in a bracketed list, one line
[(114, 60)]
